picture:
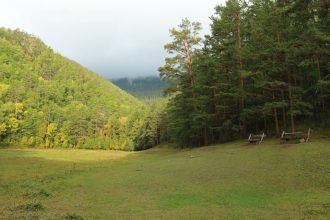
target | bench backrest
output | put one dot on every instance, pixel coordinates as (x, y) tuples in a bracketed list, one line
[(296, 135), (258, 137)]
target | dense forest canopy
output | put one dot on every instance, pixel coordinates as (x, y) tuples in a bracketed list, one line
[(264, 67), (50, 101)]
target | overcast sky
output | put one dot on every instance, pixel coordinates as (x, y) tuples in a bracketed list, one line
[(113, 38)]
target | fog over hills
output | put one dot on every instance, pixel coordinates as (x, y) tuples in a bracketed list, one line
[(148, 87), (114, 38)]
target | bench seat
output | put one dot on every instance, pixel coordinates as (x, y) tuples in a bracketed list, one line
[(255, 138)]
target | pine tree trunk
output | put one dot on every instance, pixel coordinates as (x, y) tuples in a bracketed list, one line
[(282, 91), (275, 117), (240, 66), (205, 137), (291, 103), (319, 78), (283, 113)]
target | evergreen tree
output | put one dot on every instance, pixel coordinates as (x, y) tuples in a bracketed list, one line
[(265, 67), (178, 72)]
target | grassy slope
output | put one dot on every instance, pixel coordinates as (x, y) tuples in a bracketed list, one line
[(230, 181)]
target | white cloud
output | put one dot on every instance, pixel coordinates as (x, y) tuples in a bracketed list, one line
[(113, 38)]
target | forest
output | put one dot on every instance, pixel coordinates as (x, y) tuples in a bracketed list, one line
[(50, 101), (264, 67)]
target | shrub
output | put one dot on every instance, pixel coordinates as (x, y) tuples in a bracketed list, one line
[(32, 207), (72, 216), (41, 193)]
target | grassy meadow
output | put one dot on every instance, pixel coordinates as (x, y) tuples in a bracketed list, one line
[(228, 181)]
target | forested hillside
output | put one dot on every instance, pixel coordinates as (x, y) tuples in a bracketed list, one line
[(149, 87), (264, 67), (50, 101)]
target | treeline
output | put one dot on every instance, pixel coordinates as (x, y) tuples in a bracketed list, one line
[(264, 67), (47, 100)]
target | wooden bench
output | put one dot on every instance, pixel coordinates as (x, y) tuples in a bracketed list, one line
[(301, 137), (256, 138)]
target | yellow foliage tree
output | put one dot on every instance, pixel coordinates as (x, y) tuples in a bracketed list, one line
[(3, 128)]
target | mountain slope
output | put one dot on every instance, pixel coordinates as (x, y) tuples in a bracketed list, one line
[(50, 101)]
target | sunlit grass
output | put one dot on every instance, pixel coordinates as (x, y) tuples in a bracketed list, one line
[(68, 155), (229, 181)]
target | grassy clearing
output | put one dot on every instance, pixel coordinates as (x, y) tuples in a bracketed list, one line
[(16, 164), (230, 181)]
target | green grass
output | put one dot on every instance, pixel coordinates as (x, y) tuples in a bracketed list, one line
[(229, 181)]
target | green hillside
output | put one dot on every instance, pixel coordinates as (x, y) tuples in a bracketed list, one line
[(48, 100)]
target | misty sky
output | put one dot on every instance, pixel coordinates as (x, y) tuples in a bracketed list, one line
[(112, 38)]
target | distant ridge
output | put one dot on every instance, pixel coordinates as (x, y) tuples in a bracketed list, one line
[(148, 87)]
